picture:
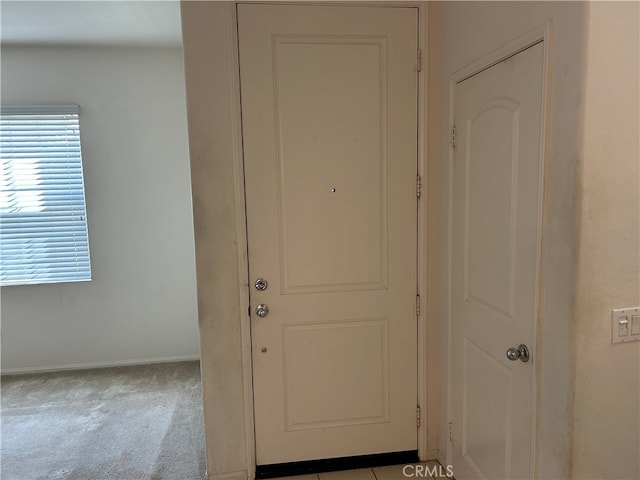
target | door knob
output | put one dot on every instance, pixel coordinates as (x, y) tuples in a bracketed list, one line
[(521, 352), (262, 310)]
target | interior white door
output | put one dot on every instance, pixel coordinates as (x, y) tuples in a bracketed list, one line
[(329, 102), (496, 240)]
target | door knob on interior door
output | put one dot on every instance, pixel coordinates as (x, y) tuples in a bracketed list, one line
[(521, 352), (262, 310)]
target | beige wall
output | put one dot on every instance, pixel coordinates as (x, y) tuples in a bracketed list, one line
[(607, 380), (213, 144), (436, 253)]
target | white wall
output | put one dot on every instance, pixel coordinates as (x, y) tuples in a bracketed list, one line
[(607, 382), (468, 32), (141, 304)]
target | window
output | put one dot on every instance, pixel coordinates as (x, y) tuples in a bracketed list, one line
[(43, 221)]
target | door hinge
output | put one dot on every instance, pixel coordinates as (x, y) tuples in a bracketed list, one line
[(417, 305), (418, 413), (418, 186), (419, 58), (452, 137), (450, 431)]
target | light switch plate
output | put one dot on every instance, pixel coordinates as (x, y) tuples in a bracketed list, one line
[(624, 325), (635, 325)]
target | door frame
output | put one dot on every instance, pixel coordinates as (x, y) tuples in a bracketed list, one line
[(426, 450), (542, 34)]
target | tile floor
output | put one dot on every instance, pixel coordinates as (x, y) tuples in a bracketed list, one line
[(392, 472)]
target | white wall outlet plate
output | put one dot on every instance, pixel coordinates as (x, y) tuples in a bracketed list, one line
[(625, 325)]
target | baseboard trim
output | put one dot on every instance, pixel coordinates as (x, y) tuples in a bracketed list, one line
[(241, 475), (89, 365)]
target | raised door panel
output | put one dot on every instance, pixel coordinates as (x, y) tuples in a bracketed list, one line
[(332, 158)]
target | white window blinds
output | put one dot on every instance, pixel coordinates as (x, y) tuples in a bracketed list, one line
[(43, 221)]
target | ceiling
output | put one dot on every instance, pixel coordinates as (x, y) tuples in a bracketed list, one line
[(89, 22)]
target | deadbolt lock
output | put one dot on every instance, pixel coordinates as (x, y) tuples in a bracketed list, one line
[(261, 284)]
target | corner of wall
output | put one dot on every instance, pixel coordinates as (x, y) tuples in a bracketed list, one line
[(212, 133)]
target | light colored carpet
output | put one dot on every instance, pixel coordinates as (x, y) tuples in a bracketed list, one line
[(126, 423)]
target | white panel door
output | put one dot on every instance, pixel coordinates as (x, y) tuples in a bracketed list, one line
[(496, 240), (329, 130)]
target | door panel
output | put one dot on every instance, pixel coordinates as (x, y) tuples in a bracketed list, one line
[(309, 374), (496, 238), (329, 109), (313, 82)]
